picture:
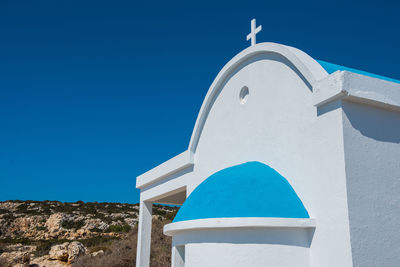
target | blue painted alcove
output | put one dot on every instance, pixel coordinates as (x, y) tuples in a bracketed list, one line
[(252, 189)]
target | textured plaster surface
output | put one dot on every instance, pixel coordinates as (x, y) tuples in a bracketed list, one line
[(335, 138), (372, 153), (280, 127), (357, 88), (246, 247)]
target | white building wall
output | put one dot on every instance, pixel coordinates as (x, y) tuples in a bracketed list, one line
[(244, 255), (246, 247), (372, 153), (342, 159), (279, 126)]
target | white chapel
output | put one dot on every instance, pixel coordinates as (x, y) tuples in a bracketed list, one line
[(292, 162)]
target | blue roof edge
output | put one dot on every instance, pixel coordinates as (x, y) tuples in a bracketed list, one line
[(331, 68)]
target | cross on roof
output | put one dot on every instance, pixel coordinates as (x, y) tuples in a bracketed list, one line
[(253, 32)]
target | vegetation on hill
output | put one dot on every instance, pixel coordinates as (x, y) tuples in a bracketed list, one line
[(30, 230), (122, 253)]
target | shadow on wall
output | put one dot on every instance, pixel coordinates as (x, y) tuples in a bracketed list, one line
[(329, 107), (277, 236), (376, 123)]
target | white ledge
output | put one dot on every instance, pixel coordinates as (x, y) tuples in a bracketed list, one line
[(358, 88), (246, 222), (174, 165)]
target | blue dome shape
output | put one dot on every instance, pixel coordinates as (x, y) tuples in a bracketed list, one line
[(251, 189)]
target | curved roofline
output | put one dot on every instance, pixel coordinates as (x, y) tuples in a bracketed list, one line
[(310, 70), (251, 189)]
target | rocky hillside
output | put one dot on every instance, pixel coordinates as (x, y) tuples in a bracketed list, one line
[(52, 233)]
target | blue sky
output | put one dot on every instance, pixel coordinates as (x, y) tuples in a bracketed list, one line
[(94, 93)]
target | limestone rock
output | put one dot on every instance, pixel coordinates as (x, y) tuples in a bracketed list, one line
[(131, 221), (11, 206), (25, 223), (45, 261), (91, 224), (19, 247), (59, 252), (98, 253), (54, 222), (51, 221), (75, 250), (16, 258), (116, 216)]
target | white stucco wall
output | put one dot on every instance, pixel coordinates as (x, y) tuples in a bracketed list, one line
[(279, 126), (341, 158), (246, 247), (372, 153)]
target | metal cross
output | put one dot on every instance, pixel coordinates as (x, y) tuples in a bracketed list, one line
[(253, 32)]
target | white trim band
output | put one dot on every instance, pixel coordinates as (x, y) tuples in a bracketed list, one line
[(246, 222), (166, 169), (358, 88)]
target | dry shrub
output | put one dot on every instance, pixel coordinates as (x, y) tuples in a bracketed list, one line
[(122, 253), (3, 262), (160, 245)]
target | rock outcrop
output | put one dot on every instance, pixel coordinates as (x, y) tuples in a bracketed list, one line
[(75, 250), (46, 233), (59, 252), (15, 258)]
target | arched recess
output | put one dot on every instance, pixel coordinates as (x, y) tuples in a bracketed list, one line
[(305, 66)]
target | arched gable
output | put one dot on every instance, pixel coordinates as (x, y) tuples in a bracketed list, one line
[(306, 67)]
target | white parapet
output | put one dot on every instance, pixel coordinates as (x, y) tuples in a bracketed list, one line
[(229, 223)]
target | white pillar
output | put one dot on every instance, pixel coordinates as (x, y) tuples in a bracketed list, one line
[(178, 256), (144, 234)]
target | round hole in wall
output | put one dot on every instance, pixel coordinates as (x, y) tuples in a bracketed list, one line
[(243, 95)]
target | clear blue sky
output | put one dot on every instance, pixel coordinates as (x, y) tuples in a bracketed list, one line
[(94, 93)]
